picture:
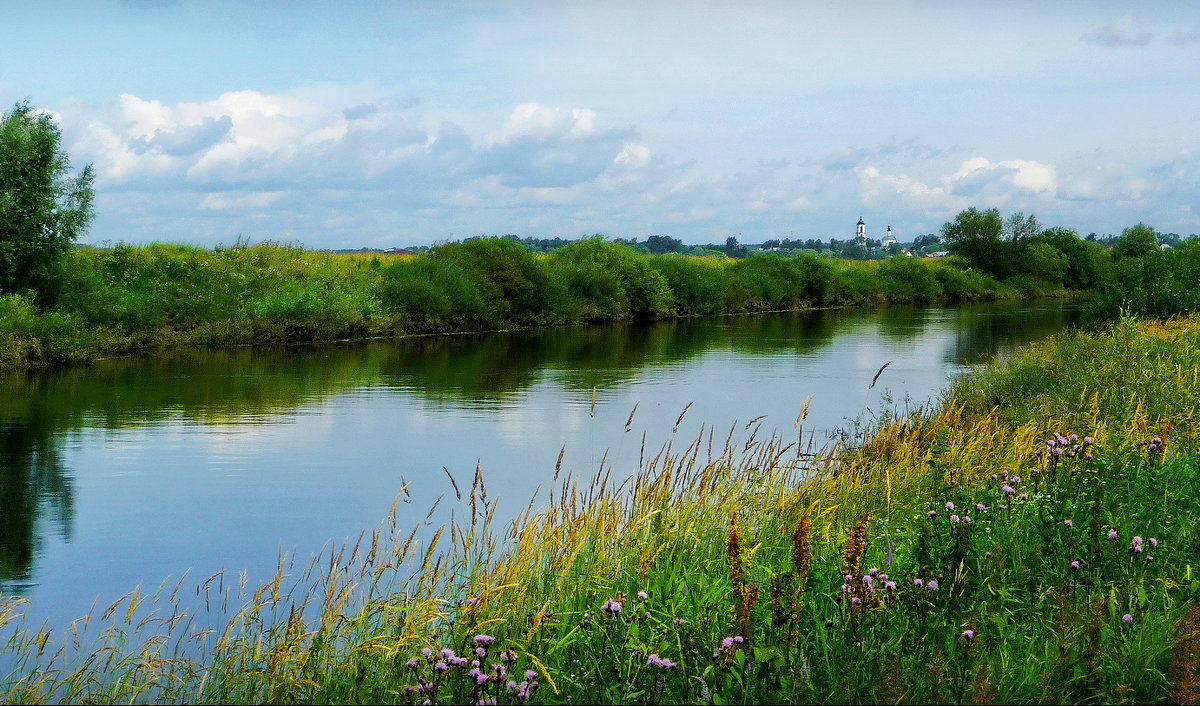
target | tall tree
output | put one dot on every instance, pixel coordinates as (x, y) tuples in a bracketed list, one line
[(43, 208), (978, 237), (1136, 241)]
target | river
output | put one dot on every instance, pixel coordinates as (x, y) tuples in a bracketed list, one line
[(128, 472)]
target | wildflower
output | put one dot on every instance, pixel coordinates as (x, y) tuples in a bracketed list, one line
[(1149, 558), (1127, 618), (1153, 542), (1024, 496), (738, 639), (530, 675), (413, 662), (966, 519), (508, 656), (890, 585), (484, 640), (480, 652), (1068, 522), (873, 572), (510, 685), (1137, 541), (448, 653), (482, 678), (856, 601), (932, 513), (968, 635), (642, 595), (727, 643), (1112, 535), (918, 583), (1016, 479), (1075, 565), (980, 507), (1001, 507), (987, 555), (426, 652), (932, 585), (949, 507), (1008, 489), (441, 666), (611, 606), (1156, 440), (1087, 439), (656, 661)]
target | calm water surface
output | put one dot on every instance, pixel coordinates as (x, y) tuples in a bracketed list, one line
[(131, 471)]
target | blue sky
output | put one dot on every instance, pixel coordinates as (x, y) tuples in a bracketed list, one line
[(377, 124)]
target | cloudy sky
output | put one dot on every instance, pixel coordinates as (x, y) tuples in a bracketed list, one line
[(354, 124)]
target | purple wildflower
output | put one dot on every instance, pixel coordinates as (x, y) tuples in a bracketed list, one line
[(642, 595), (530, 675), (448, 653), (611, 606), (932, 585), (1024, 496), (413, 662), (954, 519), (890, 585), (1008, 489), (933, 513), (484, 640), (856, 601), (980, 507), (967, 519), (1112, 535), (949, 507), (1068, 522), (426, 652), (1075, 565), (918, 583), (1127, 618), (1153, 542), (968, 635), (441, 666), (508, 656)]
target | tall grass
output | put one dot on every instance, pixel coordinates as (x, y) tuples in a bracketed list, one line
[(1033, 539), (127, 300)]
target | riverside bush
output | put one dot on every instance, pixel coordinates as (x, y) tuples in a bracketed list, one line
[(134, 299)]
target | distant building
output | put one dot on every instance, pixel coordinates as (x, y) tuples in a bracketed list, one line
[(888, 238), (861, 232)]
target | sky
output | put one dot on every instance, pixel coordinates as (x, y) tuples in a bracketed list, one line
[(378, 124)]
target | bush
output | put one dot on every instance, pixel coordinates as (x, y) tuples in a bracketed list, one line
[(599, 274)]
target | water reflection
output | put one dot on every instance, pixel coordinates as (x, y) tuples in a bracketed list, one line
[(212, 398)]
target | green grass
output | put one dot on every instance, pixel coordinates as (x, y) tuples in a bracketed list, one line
[(133, 300), (752, 556)]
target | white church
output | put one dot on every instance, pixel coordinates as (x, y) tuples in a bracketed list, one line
[(861, 234)]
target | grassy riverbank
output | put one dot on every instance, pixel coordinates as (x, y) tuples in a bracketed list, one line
[(131, 300), (1032, 540)]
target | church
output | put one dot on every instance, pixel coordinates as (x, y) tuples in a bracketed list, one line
[(861, 234)]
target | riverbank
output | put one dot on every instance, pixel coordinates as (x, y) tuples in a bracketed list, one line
[(137, 300), (1030, 540)]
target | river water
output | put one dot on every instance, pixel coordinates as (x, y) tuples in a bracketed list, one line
[(131, 471)]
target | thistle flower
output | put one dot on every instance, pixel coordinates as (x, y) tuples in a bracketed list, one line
[(918, 583), (954, 519), (949, 507), (856, 601), (1075, 565), (1112, 535), (441, 666), (968, 635), (1153, 542), (1024, 496), (932, 585), (611, 606), (413, 662), (1068, 522), (530, 675), (932, 513), (1008, 489), (484, 640), (642, 595), (980, 507), (426, 652), (966, 519), (890, 585), (447, 653), (1127, 618)]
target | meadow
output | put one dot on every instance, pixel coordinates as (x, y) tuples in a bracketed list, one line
[(1030, 539), (130, 300)]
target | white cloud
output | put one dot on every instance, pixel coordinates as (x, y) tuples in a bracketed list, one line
[(1122, 33), (253, 200)]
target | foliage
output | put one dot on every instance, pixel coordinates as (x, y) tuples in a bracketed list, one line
[(977, 237), (43, 209), (1136, 241)]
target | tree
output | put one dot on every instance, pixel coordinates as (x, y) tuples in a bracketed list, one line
[(733, 248), (1136, 241), (977, 237), (661, 244), (43, 208), (1018, 227)]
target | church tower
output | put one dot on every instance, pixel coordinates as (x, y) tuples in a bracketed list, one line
[(861, 232), (888, 238)]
